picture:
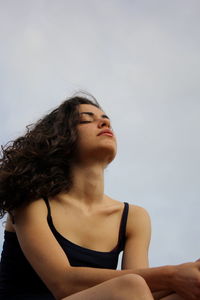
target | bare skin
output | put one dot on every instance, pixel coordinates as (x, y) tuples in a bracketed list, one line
[(87, 203), (126, 287)]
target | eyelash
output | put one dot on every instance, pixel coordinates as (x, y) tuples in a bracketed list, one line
[(84, 122)]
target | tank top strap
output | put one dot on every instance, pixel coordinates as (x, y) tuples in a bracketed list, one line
[(122, 230), (49, 218)]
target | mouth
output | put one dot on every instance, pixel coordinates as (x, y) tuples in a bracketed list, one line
[(106, 132)]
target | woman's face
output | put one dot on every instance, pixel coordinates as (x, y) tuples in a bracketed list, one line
[(96, 140)]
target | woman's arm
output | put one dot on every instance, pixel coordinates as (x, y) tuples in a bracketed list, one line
[(138, 235), (50, 262), (48, 258), (135, 256), (137, 243)]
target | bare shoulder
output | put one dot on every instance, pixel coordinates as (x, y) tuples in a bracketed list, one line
[(138, 219), (135, 212), (34, 210)]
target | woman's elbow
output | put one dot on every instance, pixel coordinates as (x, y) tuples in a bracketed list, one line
[(61, 294), (64, 286), (60, 289)]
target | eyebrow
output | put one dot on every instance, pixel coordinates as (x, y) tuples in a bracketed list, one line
[(92, 114)]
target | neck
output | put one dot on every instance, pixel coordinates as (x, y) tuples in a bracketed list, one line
[(88, 185)]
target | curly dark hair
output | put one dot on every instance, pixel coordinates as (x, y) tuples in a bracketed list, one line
[(39, 163)]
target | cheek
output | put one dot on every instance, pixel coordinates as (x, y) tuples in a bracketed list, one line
[(85, 137)]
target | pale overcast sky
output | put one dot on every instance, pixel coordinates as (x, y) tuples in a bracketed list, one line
[(141, 60)]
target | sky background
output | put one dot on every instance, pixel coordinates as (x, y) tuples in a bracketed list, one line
[(141, 60)]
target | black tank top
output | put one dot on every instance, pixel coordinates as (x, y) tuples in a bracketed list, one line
[(17, 277)]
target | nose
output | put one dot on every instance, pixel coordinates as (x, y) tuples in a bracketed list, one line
[(104, 122)]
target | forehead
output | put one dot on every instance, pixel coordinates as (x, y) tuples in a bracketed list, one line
[(90, 108)]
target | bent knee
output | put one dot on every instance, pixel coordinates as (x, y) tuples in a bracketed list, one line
[(130, 284), (132, 279)]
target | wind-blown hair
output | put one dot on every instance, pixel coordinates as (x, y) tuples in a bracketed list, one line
[(39, 163)]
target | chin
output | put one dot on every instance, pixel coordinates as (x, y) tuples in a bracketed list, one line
[(112, 157), (107, 154)]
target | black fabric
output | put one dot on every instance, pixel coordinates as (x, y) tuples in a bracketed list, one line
[(18, 279), (83, 257)]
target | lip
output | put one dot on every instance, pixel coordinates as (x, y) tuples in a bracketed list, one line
[(107, 132)]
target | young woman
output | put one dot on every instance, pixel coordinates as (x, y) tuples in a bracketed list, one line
[(63, 235)]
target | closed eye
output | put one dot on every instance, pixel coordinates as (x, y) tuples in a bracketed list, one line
[(84, 122), (89, 117)]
